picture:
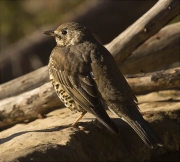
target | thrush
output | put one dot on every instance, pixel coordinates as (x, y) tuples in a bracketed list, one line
[(87, 79)]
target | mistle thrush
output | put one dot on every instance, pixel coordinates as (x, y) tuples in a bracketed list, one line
[(87, 79)]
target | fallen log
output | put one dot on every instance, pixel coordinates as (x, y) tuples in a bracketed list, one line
[(43, 99), (163, 46), (157, 53), (24, 83), (28, 106), (140, 83), (145, 27), (158, 80)]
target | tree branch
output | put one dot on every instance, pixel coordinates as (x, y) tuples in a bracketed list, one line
[(162, 47), (159, 80), (24, 83), (145, 27), (142, 84), (28, 105), (29, 82)]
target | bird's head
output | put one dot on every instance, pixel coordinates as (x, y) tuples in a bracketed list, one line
[(70, 33)]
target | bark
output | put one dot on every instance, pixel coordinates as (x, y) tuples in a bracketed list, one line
[(137, 82), (34, 101), (84, 14), (163, 47), (145, 27), (37, 44), (24, 83), (157, 53), (160, 80), (28, 105)]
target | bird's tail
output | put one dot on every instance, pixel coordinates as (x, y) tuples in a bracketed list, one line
[(142, 128), (103, 117)]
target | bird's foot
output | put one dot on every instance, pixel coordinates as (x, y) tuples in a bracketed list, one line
[(78, 119), (97, 123), (81, 128)]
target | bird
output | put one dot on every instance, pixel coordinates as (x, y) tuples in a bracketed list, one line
[(86, 78)]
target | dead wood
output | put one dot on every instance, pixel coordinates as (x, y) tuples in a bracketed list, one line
[(140, 83), (24, 83), (159, 80), (30, 45), (145, 27), (157, 53), (28, 105), (163, 47)]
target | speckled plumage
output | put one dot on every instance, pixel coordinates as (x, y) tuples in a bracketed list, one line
[(87, 79)]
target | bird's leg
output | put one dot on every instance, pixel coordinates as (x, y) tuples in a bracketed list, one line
[(95, 121), (79, 118)]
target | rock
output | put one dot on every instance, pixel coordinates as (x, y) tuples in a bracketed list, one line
[(53, 139)]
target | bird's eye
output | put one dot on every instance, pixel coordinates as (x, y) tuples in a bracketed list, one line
[(64, 32)]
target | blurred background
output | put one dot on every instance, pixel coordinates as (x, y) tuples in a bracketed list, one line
[(23, 47)]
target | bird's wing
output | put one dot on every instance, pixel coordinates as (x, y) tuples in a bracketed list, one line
[(81, 87), (119, 97)]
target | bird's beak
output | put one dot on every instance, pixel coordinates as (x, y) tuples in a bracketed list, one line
[(51, 33)]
